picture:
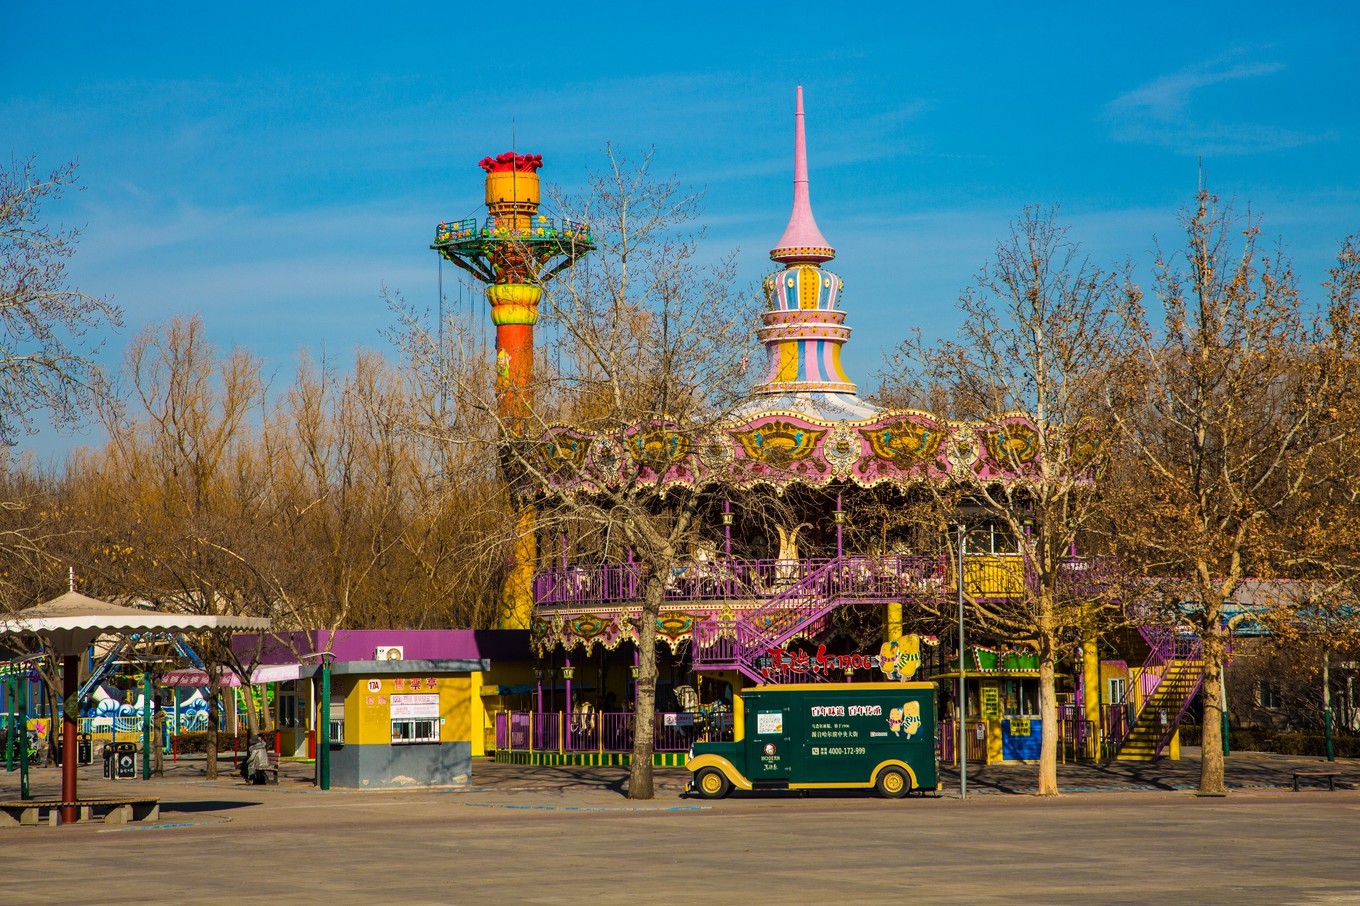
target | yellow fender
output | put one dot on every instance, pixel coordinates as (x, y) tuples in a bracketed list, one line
[(734, 777), (894, 763)]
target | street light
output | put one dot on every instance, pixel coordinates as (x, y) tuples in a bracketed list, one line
[(963, 690), (568, 673), (323, 747), (839, 516), (727, 528)]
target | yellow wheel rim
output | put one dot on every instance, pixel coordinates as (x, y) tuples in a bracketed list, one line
[(711, 784), (893, 782)]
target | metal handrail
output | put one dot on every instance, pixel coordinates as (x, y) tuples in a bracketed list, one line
[(540, 229)]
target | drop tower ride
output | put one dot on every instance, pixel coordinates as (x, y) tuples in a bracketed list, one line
[(514, 252)]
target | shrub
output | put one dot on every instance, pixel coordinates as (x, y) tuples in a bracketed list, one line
[(195, 742), (1281, 742)]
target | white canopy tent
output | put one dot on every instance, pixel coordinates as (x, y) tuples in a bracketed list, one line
[(68, 625)]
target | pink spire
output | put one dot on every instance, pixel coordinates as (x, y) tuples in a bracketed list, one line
[(802, 241)]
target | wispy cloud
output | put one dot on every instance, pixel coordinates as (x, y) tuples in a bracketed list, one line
[(1168, 95), (1165, 112)]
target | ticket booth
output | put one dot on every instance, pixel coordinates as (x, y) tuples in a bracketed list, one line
[(403, 723)]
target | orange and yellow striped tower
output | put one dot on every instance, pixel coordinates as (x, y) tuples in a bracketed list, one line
[(514, 252)]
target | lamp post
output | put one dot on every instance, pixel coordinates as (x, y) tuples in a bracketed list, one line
[(538, 681), (963, 690), (568, 673), (323, 730), (840, 528), (727, 527)]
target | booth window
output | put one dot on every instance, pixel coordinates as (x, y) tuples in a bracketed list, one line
[(337, 723), (415, 730)]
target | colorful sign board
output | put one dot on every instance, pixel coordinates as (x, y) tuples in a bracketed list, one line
[(899, 660), (991, 703), (423, 706)]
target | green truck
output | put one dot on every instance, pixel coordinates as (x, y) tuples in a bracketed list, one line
[(811, 736)]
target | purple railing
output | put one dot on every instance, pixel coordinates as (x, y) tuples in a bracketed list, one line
[(865, 578), (606, 731)]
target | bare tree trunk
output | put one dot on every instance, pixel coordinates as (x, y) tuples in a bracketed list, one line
[(158, 742), (253, 725), (1048, 719), (1211, 732), (644, 712), (214, 696)]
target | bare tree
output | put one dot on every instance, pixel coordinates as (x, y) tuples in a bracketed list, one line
[(1041, 335), (48, 331), (1230, 419), (184, 476), (49, 338)]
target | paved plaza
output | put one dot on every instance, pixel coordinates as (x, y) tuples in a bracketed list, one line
[(1123, 833)]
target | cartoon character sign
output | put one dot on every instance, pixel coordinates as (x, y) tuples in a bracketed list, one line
[(900, 659), (906, 720)]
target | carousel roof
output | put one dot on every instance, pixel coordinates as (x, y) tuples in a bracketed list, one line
[(815, 404), (804, 424)]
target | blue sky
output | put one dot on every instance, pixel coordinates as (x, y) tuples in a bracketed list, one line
[(272, 167)]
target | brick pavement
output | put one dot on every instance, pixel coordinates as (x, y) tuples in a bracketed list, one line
[(554, 835)]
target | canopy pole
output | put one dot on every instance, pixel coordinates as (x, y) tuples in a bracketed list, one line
[(70, 688)]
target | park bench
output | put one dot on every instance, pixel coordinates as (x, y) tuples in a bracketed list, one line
[(27, 812), (1318, 776), (271, 773)]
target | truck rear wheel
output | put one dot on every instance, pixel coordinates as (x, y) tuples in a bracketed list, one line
[(892, 783), (712, 784)]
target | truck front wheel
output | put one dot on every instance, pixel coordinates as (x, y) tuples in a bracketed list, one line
[(892, 783), (712, 784)]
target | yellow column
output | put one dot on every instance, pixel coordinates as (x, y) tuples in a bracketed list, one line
[(1090, 667), (517, 597), (892, 621), (478, 714), (994, 750)]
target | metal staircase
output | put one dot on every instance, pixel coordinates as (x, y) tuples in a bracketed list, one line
[(740, 643), (744, 642), (1172, 675)]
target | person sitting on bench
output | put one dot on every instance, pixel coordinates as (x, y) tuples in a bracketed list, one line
[(256, 762)]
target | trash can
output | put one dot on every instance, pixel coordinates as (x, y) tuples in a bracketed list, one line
[(107, 754), (84, 749), (120, 761)]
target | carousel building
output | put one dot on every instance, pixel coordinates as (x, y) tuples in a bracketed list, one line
[(839, 587)]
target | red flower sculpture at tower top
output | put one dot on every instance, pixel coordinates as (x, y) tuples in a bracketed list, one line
[(504, 163)]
